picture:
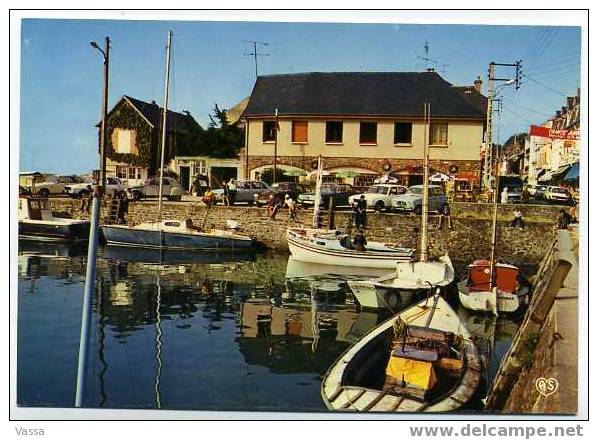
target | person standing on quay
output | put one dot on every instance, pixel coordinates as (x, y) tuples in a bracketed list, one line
[(290, 203), (225, 194), (444, 214), (517, 219), (361, 214), (504, 195), (232, 191)]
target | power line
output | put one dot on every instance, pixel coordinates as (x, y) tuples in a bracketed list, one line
[(544, 85)]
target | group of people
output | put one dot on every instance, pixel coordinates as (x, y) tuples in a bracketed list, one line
[(275, 203)]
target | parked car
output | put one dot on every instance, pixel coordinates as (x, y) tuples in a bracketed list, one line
[(537, 191), (514, 194), (55, 185), (113, 186), (339, 192), (293, 189), (412, 200), (380, 196), (171, 189), (246, 191), (557, 194)]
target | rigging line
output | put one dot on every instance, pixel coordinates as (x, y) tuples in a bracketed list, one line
[(544, 85), (563, 74)]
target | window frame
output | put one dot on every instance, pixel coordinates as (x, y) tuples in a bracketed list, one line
[(300, 142), (326, 131), (368, 142), (437, 144), (272, 130), (405, 123)]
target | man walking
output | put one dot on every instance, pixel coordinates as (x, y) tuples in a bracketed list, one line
[(444, 215), (290, 203), (360, 214), (517, 219)]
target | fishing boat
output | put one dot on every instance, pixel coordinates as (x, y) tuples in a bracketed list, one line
[(174, 234), (492, 286), (36, 222), (506, 293), (332, 247), (410, 279), (423, 360)]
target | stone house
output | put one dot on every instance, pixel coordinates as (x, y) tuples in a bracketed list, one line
[(134, 130), (363, 124)]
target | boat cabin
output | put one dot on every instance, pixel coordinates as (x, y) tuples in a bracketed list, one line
[(506, 276), (35, 209)]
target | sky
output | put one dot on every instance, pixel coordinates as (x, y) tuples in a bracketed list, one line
[(61, 74)]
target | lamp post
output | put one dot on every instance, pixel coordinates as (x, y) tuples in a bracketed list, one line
[(90, 275)]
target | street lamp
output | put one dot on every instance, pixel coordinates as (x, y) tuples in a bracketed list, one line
[(94, 231)]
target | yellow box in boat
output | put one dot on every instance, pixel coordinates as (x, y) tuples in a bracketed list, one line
[(414, 373), (450, 364)]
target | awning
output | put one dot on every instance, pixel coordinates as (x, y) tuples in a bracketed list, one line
[(386, 179), (439, 177), (466, 176), (545, 177), (573, 173)]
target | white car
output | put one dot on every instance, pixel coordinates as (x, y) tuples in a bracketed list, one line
[(380, 196), (113, 186), (413, 198), (171, 189), (558, 195), (55, 185)]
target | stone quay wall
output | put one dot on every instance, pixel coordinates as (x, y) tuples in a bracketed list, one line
[(469, 239)]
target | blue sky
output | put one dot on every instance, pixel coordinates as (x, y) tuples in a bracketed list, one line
[(61, 75)]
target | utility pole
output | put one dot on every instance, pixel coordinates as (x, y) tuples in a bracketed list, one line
[(255, 53), (489, 148), (90, 275)]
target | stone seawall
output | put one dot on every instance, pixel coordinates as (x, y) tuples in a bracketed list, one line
[(469, 239)]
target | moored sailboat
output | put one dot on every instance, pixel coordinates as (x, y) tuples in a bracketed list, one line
[(175, 234), (410, 279), (36, 222), (333, 247)]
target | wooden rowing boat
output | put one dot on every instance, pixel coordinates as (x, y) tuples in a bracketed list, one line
[(360, 380)]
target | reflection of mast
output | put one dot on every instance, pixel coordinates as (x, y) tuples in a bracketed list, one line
[(314, 319), (101, 344), (158, 341)]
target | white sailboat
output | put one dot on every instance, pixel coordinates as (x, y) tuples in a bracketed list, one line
[(332, 247), (492, 286), (410, 278), (174, 234)]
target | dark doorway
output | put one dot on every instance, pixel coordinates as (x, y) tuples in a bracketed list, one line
[(185, 177), (416, 179)]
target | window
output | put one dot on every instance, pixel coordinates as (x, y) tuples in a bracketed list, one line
[(334, 132), (121, 171), (299, 134), (403, 132), (438, 133), (268, 131), (368, 132), (124, 141)]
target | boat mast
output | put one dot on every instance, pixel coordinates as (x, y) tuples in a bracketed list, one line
[(164, 115), (423, 252), (318, 195), (494, 222)]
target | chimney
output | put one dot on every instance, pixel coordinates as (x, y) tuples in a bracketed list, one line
[(570, 102), (477, 84), (558, 114), (154, 102)]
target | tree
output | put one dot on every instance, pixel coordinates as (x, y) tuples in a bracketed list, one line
[(221, 139)]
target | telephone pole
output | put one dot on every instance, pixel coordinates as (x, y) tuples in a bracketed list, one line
[(255, 53)]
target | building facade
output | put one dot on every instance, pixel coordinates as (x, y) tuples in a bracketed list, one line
[(133, 138), (362, 124)]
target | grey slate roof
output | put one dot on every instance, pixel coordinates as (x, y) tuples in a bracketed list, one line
[(153, 113), (359, 94)]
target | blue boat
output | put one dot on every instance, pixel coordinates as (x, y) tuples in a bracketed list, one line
[(176, 235)]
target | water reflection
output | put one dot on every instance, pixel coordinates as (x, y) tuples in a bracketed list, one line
[(229, 334)]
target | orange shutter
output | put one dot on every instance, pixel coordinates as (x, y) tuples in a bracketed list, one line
[(300, 131)]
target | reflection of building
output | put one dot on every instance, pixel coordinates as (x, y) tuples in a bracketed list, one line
[(364, 124), (120, 294)]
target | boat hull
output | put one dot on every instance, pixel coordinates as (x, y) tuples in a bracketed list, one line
[(371, 295), (303, 250), (488, 301), (155, 239), (340, 395), (53, 231)]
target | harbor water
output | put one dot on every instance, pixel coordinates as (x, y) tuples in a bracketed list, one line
[(196, 332)]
